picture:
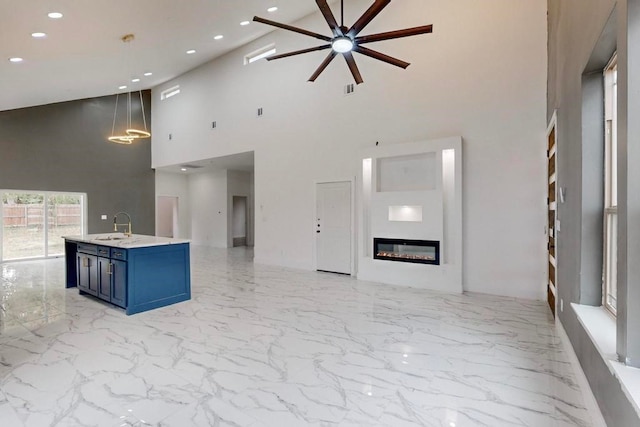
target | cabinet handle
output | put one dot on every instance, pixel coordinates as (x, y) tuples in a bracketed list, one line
[(118, 253), (109, 268)]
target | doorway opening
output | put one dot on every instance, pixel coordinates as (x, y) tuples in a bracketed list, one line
[(167, 225), (33, 223), (239, 221)]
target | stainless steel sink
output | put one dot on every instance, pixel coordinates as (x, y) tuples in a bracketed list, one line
[(105, 238)]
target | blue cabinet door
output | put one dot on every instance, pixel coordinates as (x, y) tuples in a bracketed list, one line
[(119, 283), (104, 278), (87, 273)]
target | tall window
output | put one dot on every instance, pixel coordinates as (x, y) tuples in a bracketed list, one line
[(609, 280)]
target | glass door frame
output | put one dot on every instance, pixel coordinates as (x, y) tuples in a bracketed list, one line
[(45, 220)]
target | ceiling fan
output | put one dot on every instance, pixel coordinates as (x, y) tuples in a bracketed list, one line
[(346, 40)]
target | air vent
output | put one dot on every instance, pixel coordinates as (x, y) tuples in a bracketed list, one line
[(260, 112), (191, 166), (349, 89)]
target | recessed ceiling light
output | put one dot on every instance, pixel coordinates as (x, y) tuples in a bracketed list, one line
[(38, 35), (272, 9), (243, 23), (148, 74), (122, 87), (55, 15), (136, 80), (191, 52), (183, 169), (16, 59), (218, 37)]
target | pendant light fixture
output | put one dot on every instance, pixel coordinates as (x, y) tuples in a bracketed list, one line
[(130, 133)]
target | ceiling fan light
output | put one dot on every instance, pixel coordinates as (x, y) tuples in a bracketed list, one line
[(342, 44)]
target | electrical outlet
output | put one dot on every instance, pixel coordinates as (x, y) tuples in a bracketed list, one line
[(103, 217)]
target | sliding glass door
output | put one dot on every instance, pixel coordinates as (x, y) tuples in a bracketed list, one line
[(65, 218), (33, 223)]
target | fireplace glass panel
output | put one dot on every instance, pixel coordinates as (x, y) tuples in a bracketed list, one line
[(402, 250)]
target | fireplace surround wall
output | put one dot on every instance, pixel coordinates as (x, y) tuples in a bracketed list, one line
[(412, 192)]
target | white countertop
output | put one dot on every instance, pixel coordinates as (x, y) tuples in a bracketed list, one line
[(120, 240)]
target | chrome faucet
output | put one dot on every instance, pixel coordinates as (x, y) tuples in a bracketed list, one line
[(128, 224)]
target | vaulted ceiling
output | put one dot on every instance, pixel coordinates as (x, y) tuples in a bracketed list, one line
[(82, 54)]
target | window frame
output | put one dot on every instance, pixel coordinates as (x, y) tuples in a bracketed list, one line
[(610, 211)]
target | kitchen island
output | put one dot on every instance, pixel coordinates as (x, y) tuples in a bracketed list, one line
[(134, 272)]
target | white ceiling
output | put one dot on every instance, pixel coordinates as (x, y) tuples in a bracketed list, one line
[(83, 56)]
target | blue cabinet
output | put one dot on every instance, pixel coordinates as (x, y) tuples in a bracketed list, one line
[(104, 278), (137, 279), (101, 275), (87, 269), (104, 273), (119, 282)]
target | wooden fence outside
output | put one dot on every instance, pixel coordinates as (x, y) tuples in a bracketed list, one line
[(33, 215)]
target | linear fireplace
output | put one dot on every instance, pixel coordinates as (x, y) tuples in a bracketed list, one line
[(403, 250)]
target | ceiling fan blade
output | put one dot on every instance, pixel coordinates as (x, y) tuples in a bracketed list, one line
[(353, 67), (290, 28), (367, 17), (322, 66), (329, 17), (381, 56), (298, 52), (408, 32)]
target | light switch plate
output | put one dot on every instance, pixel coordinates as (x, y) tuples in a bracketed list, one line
[(103, 217)]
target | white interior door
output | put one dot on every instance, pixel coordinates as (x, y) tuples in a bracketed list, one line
[(333, 227)]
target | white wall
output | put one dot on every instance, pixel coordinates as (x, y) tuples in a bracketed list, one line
[(481, 74), (175, 185), (166, 210), (208, 201)]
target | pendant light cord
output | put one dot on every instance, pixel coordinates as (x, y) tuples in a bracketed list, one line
[(342, 13), (144, 119), (115, 113)]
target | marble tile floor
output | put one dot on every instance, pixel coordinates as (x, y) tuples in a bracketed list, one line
[(268, 346)]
